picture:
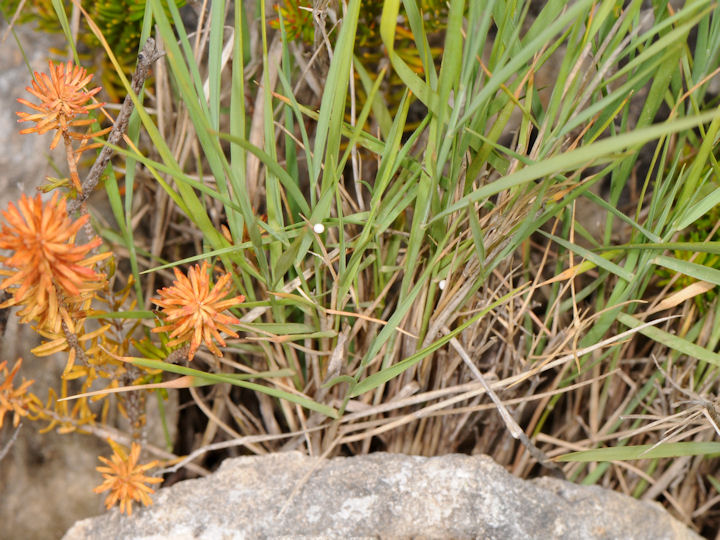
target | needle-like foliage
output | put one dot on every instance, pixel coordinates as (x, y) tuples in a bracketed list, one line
[(47, 269), (125, 479), (192, 309)]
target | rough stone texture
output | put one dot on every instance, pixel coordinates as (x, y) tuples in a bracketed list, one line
[(25, 159), (381, 495)]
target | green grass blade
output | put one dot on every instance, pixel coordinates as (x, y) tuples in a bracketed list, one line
[(225, 378), (646, 451), (676, 343)]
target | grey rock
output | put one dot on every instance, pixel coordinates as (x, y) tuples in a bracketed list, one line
[(381, 495), (25, 160)]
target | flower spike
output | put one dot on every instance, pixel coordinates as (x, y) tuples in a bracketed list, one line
[(47, 267), (126, 479), (13, 400), (192, 309), (62, 97)]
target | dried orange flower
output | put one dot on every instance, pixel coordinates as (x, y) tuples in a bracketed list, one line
[(62, 97), (193, 310), (51, 271), (13, 399), (126, 479)]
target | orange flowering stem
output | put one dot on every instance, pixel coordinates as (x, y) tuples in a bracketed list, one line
[(125, 479), (73, 342), (72, 162)]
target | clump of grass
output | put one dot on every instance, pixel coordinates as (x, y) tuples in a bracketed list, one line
[(451, 292)]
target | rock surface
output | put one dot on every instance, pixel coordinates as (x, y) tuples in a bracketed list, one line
[(25, 160), (381, 495)]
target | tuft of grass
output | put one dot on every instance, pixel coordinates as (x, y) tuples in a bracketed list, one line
[(515, 231)]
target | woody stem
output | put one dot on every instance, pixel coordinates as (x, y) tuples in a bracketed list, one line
[(72, 162), (146, 58)]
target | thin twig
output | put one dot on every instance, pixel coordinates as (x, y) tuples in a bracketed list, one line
[(7, 447), (14, 19), (105, 432), (74, 343), (146, 58), (515, 430)]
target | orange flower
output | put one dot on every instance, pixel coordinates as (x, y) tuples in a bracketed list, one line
[(62, 97), (193, 309), (125, 479), (13, 399), (52, 271)]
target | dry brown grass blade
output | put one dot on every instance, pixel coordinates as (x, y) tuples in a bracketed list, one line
[(679, 297)]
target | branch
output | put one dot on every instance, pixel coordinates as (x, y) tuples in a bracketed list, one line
[(6, 448), (146, 58), (73, 343)]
